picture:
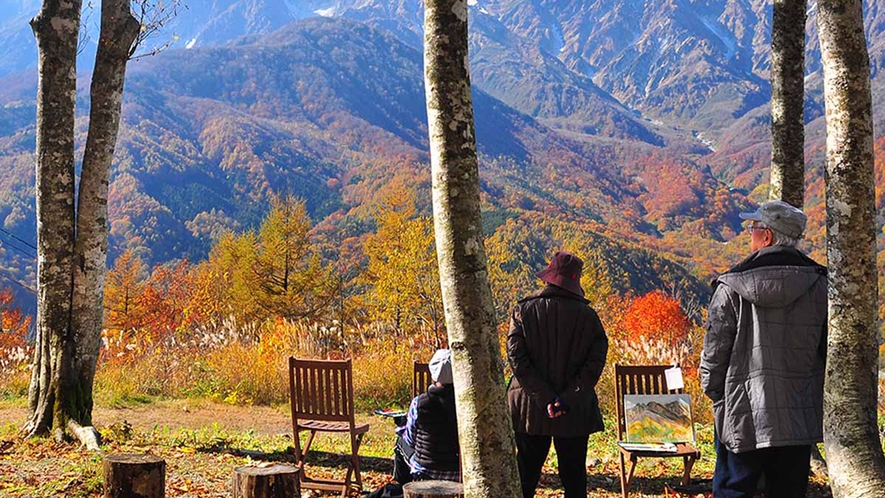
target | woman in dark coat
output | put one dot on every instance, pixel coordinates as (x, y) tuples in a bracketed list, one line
[(557, 349)]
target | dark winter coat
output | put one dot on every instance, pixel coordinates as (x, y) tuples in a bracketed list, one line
[(556, 347), (436, 429), (764, 351)]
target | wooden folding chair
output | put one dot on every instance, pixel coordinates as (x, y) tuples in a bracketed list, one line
[(648, 379), (321, 394), (420, 378)]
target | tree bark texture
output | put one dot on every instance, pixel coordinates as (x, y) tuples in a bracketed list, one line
[(432, 489), (853, 449), (131, 475), (56, 28), (484, 429), (72, 266), (788, 102), (118, 32), (277, 481)]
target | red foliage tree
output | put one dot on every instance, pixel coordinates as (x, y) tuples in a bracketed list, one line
[(13, 324), (14, 349), (656, 315)]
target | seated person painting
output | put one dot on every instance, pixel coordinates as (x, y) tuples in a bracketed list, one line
[(427, 446)]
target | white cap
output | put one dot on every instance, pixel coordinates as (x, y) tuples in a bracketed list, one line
[(441, 367)]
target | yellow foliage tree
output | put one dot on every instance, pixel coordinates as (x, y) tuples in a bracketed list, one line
[(402, 273), (276, 272), (123, 287)]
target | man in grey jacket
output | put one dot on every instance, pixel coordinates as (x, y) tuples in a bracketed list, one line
[(763, 360)]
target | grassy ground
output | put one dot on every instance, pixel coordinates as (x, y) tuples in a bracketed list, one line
[(202, 442)]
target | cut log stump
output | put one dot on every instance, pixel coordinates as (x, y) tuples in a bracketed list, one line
[(131, 475), (433, 489), (277, 481)]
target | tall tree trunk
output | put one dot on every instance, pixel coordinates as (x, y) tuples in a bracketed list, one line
[(854, 451), (787, 102), (787, 180), (484, 429), (71, 268), (118, 32), (56, 28)]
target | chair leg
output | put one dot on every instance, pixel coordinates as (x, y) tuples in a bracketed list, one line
[(308, 443), (356, 460), (345, 488), (633, 462), (301, 455), (624, 482), (688, 463), (354, 467)]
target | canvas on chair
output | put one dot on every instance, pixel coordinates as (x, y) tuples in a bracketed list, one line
[(658, 418)]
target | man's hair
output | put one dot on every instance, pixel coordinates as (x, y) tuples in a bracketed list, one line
[(780, 239)]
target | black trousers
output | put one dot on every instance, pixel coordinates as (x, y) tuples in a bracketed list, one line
[(402, 453), (531, 452), (785, 468)]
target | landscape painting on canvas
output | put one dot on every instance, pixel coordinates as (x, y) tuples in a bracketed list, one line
[(660, 418)]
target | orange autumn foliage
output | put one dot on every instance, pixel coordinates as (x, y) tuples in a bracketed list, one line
[(13, 324), (656, 315), (14, 348)]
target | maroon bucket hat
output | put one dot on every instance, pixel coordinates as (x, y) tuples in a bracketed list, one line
[(564, 271)]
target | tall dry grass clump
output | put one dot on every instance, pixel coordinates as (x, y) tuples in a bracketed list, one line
[(247, 364), (15, 371)]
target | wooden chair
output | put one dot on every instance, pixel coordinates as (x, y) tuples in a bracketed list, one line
[(420, 378), (646, 380), (321, 394)]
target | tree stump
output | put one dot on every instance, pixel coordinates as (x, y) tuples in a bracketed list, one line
[(131, 475), (278, 481), (433, 489)]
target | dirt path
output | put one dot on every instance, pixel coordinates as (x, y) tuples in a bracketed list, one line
[(191, 415)]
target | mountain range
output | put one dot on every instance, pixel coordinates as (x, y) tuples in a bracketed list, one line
[(646, 122)]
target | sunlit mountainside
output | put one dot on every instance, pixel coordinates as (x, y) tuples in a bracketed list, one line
[(641, 126)]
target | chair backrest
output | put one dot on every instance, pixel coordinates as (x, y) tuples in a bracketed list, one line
[(635, 379), (321, 390), (420, 378)]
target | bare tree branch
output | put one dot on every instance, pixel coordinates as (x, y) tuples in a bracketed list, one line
[(154, 16), (85, 17)]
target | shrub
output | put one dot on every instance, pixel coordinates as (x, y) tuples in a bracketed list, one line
[(14, 348)]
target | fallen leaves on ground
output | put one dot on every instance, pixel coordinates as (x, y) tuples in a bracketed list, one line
[(200, 460)]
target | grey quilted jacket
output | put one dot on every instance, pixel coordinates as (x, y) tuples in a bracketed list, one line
[(764, 351)]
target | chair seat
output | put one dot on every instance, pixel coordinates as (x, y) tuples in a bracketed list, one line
[(325, 426), (682, 449)]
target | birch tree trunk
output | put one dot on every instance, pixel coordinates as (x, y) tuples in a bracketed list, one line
[(787, 102), (71, 268), (484, 429), (851, 438), (56, 28), (119, 30)]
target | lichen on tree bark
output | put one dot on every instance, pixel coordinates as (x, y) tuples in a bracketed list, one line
[(853, 448), (71, 267)]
